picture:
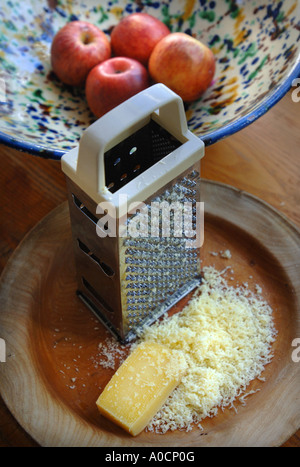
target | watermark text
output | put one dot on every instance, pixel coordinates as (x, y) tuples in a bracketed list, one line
[(2, 351), (296, 352), (296, 92), (2, 90), (157, 219)]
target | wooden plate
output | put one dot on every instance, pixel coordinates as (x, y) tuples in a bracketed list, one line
[(52, 377)]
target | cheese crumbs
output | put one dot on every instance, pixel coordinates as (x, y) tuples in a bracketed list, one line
[(224, 335)]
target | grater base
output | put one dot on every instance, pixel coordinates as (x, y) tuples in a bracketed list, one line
[(157, 314)]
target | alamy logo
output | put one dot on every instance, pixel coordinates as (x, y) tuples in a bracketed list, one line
[(296, 352), (2, 351), (159, 219), (2, 90), (296, 92)]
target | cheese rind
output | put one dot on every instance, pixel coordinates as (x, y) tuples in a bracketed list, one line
[(140, 387)]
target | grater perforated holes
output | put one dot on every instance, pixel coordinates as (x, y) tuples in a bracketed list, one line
[(107, 270), (84, 209), (137, 153), (133, 150), (95, 294), (117, 162)]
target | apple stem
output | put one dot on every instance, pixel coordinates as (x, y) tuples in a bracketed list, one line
[(86, 37)]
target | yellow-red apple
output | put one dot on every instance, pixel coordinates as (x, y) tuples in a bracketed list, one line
[(184, 64), (136, 35), (76, 49), (112, 82)]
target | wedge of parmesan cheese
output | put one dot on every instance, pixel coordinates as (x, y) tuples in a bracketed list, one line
[(140, 386)]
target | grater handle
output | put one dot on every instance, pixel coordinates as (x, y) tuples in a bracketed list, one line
[(157, 101)]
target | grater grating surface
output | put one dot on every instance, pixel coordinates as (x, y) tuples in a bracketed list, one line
[(159, 270), (131, 273)]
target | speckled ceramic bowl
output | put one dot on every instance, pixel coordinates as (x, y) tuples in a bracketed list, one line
[(256, 44)]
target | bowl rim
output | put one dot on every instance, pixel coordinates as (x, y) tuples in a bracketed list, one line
[(210, 138), (280, 90)]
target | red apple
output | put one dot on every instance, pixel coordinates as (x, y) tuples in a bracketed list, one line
[(184, 64), (136, 35), (76, 49), (112, 82)]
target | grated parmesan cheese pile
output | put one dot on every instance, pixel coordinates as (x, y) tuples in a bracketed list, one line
[(225, 335)]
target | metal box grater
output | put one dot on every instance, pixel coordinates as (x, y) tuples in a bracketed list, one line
[(134, 199)]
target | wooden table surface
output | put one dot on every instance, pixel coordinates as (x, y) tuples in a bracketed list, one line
[(263, 159)]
